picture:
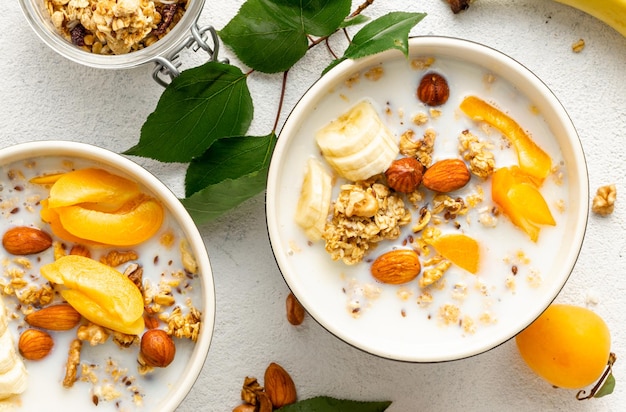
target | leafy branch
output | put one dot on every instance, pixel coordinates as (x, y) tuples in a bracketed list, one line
[(203, 115)]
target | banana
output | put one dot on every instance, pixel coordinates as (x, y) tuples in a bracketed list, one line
[(8, 356), (4, 321), (13, 374), (314, 202), (357, 144), (14, 381), (611, 12)]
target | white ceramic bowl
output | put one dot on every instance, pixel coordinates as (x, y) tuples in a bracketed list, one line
[(499, 304), (39, 20), (166, 388)]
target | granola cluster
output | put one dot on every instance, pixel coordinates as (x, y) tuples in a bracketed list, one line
[(114, 26), (364, 214)]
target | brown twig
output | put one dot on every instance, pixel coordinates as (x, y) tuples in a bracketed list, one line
[(330, 50), (582, 395), (362, 7), (280, 102)]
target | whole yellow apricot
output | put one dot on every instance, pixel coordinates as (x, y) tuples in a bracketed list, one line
[(568, 346)]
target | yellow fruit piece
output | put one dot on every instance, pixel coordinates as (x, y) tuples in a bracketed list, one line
[(46, 179), (520, 199), (51, 217), (107, 192), (531, 158), (96, 314), (97, 291), (136, 222), (568, 346), (458, 248)]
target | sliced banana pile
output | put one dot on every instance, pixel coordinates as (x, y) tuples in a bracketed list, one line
[(358, 145), (13, 374)]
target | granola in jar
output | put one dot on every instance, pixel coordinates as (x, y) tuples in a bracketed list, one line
[(114, 26)]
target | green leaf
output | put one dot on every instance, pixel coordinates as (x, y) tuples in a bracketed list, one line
[(607, 387), (390, 31), (354, 21), (261, 41), (316, 17), (271, 36), (198, 107), (239, 182), (229, 158), (328, 404)]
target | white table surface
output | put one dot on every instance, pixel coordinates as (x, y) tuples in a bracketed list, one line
[(44, 96)]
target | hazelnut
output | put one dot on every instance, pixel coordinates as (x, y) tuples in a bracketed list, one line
[(433, 89), (35, 344), (405, 174), (157, 349)]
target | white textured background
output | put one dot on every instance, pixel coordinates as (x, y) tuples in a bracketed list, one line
[(44, 96)]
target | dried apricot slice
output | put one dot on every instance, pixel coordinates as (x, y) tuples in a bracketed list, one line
[(458, 248), (51, 217), (98, 292), (46, 179), (107, 192), (96, 314), (521, 200), (134, 223), (531, 158)]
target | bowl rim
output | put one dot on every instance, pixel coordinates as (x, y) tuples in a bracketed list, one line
[(41, 24), (63, 148), (292, 123)]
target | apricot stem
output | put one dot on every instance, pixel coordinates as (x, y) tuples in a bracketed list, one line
[(581, 395)]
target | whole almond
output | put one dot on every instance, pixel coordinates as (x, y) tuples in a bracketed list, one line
[(35, 344), (25, 240), (56, 317), (397, 266), (279, 386), (446, 176), (295, 310)]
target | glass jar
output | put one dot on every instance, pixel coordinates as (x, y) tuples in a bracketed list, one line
[(164, 52)]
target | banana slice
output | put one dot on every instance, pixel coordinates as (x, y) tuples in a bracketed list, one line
[(373, 159), (314, 202), (13, 374), (13, 381), (8, 356), (4, 320), (357, 144), (345, 135)]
